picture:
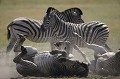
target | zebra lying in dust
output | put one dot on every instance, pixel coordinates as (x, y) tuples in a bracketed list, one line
[(55, 63), (105, 63)]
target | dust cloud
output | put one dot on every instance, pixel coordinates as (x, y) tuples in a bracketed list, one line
[(7, 70)]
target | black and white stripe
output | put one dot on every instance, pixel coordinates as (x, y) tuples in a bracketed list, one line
[(108, 64), (93, 32), (52, 63), (104, 64), (31, 28)]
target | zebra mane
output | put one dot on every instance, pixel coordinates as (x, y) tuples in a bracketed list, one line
[(75, 9), (50, 9)]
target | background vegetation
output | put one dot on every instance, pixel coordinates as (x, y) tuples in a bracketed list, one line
[(107, 11)]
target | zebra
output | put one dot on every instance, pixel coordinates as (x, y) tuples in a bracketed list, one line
[(98, 50), (48, 64), (94, 32), (108, 64), (104, 64), (32, 30)]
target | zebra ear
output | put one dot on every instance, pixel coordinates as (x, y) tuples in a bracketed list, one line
[(50, 9), (23, 49), (77, 10), (62, 59)]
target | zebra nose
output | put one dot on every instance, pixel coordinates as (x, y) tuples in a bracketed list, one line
[(42, 28)]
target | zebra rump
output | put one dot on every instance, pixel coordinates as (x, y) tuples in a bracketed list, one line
[(48, 64)]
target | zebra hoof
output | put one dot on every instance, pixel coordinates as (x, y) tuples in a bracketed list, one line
[(70, 56)]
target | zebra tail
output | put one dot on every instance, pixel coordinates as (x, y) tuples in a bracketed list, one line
[(8, 31)]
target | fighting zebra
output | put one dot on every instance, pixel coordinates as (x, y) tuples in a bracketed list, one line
[(93, 32), (32, 30), (105, 63), (55, 63)]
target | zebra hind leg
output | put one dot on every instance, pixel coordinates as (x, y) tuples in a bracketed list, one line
[(83, 54), (11, 44), (19, 43), (9, 48)]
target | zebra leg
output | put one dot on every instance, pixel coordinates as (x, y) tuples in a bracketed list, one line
[(11, 44), (19, 43), (9, 48), (66, 46), (83, 54), (18, 59)]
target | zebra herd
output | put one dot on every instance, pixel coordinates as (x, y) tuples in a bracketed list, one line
[(55, 27)]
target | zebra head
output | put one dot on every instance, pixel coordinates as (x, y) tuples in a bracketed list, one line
[(73, 15), (72, 67), (48, 20), (29, 50)]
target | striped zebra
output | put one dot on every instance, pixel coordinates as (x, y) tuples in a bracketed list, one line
[(93, 32), (105, 63), (108, 64), (48, 64), (32, 30)]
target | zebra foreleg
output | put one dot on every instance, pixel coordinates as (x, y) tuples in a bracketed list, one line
[(28, 66), (66, 46), (83, 54)]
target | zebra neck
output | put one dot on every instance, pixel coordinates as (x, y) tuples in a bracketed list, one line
[(59, 25)]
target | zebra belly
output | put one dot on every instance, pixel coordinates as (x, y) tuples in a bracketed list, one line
[(44, 62)]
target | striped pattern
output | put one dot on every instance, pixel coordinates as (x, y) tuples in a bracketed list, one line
[(31, 28), (49, 64), (93, 32), (108, 65)]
